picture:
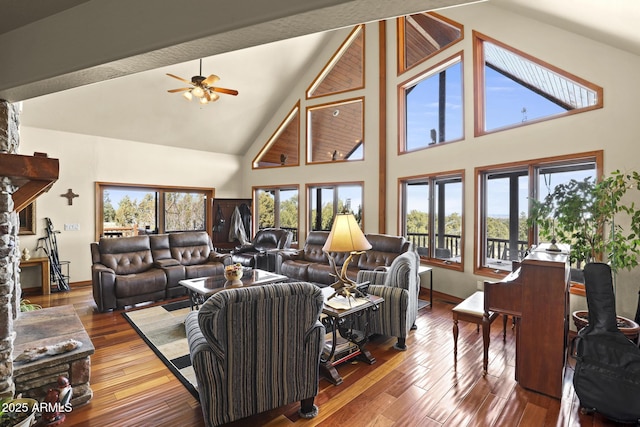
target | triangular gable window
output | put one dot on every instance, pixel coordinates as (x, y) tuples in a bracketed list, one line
[(345, 70), (422, 35), (516, 89), (283, 148)]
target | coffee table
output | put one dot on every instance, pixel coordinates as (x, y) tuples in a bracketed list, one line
[(201, 288)]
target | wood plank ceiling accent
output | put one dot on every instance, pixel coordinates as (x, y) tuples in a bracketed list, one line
[(283, 148), (424, 34), (336, 130), (345, 71)]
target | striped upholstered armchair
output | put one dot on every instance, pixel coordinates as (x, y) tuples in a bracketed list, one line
[(399, 285), (257, 348)]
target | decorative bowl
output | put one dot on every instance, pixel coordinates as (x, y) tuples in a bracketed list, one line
[(233, 273)]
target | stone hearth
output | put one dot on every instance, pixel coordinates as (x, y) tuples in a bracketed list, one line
[(46, 327)]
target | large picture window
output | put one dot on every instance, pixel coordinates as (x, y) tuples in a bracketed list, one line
[(277, 207), (433, 108), (516, 89), (327, 200), (432, 216), (503, 204), (130, 209)]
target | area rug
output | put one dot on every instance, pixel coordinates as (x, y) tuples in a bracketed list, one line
[(162, 328)]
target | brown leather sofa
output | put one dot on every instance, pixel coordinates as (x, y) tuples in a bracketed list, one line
[(131, 270), (311, 264)]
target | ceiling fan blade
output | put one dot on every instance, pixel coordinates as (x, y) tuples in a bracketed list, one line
[(223, 90), (179, 78), (179, 90), (210, 80)]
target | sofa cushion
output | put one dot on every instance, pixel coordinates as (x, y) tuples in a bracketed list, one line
[(370, 260), (160, 248), (384, 249), (204, 270), (190, 248), (294, 268), (148, 282), (388, 243), (320, 273), (128, 255), (313, 247)]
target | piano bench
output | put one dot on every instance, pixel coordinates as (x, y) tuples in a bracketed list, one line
[(472, 310)]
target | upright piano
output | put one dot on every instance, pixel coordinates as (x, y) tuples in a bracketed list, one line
[(536, 294)]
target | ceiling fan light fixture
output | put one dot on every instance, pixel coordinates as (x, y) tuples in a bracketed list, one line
[(197, 91), (201, 88)]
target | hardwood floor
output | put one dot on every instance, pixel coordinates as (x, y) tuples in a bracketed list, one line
[(422, 386)]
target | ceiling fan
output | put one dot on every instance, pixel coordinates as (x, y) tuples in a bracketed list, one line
[(202, 88)]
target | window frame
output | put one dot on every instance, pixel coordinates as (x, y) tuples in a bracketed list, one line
[(432, 179), (478, 40), (100, 187), (294, 114), (276, 215), (531, 166), (334, 185), (456, 58), (401, 40), (336, 104)]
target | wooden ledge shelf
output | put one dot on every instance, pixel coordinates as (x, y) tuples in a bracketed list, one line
[(33, 175)]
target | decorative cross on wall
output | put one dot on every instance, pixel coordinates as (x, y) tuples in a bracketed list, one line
[(70, 195)]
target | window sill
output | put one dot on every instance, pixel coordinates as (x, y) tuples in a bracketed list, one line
[(450, 265)]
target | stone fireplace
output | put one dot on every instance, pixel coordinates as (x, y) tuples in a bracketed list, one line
[(9, 255), (23, 179)]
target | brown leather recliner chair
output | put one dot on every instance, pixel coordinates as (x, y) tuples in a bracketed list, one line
[(256, 255)]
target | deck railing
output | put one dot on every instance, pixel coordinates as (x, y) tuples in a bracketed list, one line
[(496, 248)]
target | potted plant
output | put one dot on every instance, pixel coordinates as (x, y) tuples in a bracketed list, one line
[(17, 412), (594, 219), (599, 220)]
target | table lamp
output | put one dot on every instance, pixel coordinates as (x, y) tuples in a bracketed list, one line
[(345, 236)]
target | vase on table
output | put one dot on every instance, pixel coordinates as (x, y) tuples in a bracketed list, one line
[(233, 274)]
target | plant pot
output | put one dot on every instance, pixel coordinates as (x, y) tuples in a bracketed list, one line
[(23, 415), (627, 326)]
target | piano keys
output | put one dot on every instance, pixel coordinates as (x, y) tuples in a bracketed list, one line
[(536, 294)]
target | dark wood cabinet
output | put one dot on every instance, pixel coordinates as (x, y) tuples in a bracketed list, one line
[(222, 212), (537, 295)]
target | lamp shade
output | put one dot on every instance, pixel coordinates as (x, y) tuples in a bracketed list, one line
[(346, 236)]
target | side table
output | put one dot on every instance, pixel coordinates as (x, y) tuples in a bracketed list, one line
[(44, 271), (350, 344), (424, 269)]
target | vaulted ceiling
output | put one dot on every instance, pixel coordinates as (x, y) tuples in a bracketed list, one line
[(99, 68)]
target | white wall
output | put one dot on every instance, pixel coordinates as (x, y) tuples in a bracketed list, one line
[(86, 159), (613, 129)]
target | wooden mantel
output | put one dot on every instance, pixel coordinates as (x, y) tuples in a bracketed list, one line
[(33, 175)]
